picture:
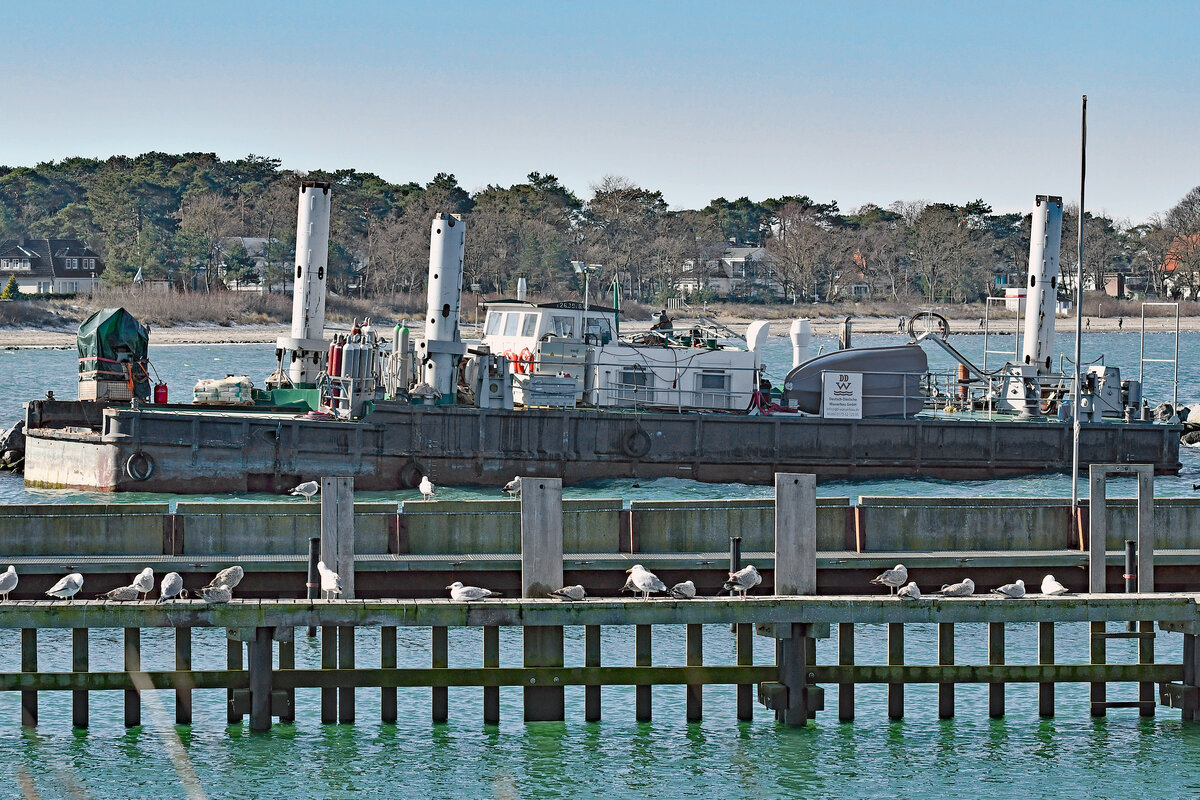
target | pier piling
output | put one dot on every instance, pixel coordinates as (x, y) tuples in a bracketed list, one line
[(795, 574), (133, 663), (541, 574), (29, 663), (945, 659), (183, 663), (79, 663), (260, 679)]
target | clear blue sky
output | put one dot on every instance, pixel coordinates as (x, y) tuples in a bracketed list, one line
[(855, 102)]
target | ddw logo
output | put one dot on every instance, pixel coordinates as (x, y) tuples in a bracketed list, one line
[(843, 384)]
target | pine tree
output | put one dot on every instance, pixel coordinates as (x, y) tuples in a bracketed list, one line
[(10, 289)]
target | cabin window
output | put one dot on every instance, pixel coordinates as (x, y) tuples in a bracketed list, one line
[(712, 389), (564, 326), (510, 323), (493, 323), (637, 384), (599, 328), (528, 324)]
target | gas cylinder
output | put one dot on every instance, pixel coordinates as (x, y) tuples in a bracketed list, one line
[(160, 393)]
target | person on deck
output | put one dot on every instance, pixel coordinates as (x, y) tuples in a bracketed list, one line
[(663, 323)]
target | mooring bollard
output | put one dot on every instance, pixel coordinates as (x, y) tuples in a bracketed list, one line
[(542, 573)]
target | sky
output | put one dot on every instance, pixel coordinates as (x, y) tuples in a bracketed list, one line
[(853, 102)]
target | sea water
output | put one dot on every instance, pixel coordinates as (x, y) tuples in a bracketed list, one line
[(1070, 755)]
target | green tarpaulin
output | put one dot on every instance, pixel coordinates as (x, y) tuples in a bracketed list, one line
[(112, 347)]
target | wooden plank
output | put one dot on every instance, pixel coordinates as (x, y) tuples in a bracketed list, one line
[(287, 660), (946, 658), (1097, 528), (440, 659), (591, 658), (337, 530), (183, 663), (745, 657), (642, 651), (694, 657), (329, 697), (845, 659), (1046, 657), (491, 660), (541, 574), (895, 656), (388, 698), (346, 661), (29, 661), (995, 658), (133, 663), (79, 663), (795, 534)]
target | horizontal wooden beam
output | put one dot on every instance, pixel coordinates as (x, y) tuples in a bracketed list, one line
[(998, 673), (1172, 609)]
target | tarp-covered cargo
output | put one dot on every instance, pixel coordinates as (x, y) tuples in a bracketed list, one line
[(113, 347)]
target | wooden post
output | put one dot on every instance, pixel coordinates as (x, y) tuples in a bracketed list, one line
[(542, 573), (337, 530), (1192, 648), (29, 659), (591, 658), (440, 659), (79, 663), (795, 534), (1045, 657), (1097, 528), (642, 649), (260, 680), (1099, 655), (791, 654), (388, 703), (233, 658), (1146, 692), (996, 656), (745, 658), (346, 661), (329, 696), (287, 660), (133, 663), (945, 659), (694, 646), (846, 659), (183, 662), (1145, 534), (491, 660), (895, 648)]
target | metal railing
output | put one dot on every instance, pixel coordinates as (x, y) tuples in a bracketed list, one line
[(1143, 361)]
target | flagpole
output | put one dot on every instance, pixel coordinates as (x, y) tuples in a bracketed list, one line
[(1075, 505)]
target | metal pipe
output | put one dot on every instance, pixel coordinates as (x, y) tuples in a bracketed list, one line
[(1078, 315), (1130, 575), (735, 553), (313, 586)]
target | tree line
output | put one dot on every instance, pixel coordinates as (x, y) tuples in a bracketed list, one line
[(166, 215)]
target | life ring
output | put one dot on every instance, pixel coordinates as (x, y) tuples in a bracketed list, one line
[(139, 466), (515, 361), (527, 357), (410, 475), (636, 443)]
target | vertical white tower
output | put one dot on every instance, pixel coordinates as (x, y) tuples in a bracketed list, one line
[(442, 348), (800, 334), (304, 351), (1045, 240)]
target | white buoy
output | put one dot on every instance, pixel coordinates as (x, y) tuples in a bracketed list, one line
[(442, 348), (1042, 295), (801, 335), (304, 352)]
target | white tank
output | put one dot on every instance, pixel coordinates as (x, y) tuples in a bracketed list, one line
[(800, 334), (304, 351), (442, 348), (1045, 241)]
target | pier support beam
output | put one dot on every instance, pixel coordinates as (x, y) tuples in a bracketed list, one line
[(79, 663), (133, 663), (29, 659), (183, 661), (260, 680), (795, 574), (542, 573), (337, 530)]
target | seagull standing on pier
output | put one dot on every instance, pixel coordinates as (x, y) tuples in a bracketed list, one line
[(1011, 590), (573, 593), (893, 578), (308, 490), (1052, 587), (8, 582), (513, 487), (909, 592), (644, 581), (171, 587), (426, 488), (67, 587), (964, 588), (121, 594), (743, 580), (227, 578), (468, 594), (331, 582), (683, 591), (144, 582)]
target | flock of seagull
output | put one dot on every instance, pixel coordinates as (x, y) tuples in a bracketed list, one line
[(219, 590), (640, 581), (896, 579)]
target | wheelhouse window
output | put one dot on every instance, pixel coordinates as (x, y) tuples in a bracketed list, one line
[(493, 322), (511, 320), (712, 389), (599, 329), (636, 385), (528, 324), (563, 326)]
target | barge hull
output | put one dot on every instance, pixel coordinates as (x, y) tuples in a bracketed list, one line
[(207, 451)]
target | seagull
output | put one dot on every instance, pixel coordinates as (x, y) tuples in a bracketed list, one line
[(216, 594), (1050, 586), (893, 578), (743, 580), (67, 586), (1013, 590), (227, 578), (575, 593), (171, 587), (964, 588), (8, 582), (330, 581), (910, 592), (121, 594), (644, 581), (308, 490), (513, 487), (683, 591), (426, 488), (467, 594), (144, 582)]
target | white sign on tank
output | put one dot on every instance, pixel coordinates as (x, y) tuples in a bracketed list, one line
[(1045, 240), (442, 348)]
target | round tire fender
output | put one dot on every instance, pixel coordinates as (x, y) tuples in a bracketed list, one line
[(636, 443), (139, 466)]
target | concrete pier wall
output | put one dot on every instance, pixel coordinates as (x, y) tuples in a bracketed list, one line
[(482, 527)]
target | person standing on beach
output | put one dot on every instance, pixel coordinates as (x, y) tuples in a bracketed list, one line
[(1120, 323)]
